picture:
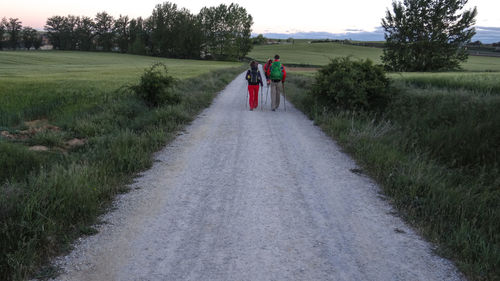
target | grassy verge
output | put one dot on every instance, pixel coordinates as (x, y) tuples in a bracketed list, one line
[(435, 153), (51, 197)]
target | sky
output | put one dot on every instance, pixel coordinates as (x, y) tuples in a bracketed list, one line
[(270, 16)]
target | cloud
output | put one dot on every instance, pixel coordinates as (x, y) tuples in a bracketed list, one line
[(354, 30)]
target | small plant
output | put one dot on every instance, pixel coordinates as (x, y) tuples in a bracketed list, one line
[(351, 84), (155, 87)]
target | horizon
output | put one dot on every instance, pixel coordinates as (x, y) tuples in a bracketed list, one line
[(333, 20)]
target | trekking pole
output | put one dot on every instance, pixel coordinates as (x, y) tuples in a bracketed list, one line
[(267, 93), (284, 95), (261, 108), (246, 100)]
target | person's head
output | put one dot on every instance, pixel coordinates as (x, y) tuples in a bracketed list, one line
[(269, 60), (253, 64), (276, 57)]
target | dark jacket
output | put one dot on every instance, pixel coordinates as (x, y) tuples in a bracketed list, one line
[(249, 77)]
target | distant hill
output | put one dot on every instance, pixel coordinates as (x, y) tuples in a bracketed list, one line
[(484, 34)]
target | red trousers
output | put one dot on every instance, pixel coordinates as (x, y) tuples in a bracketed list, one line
[(253, 99)]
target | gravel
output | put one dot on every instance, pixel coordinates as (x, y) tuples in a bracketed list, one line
[(253, 195)]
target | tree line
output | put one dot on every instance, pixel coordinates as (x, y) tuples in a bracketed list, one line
[(221, 33), (13, 35)]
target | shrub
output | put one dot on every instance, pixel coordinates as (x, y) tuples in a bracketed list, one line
[(155, 87), (351, 84), (16, 161)]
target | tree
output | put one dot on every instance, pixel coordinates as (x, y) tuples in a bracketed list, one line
[(54, 26), (3, 23), (14, 28), (84, 34), (260, 40), (187, 35), (122, 33), (241, 29), (175, 32), (29, 36), (427, 35), (104, 30), (61, 32), (139, 37), (161, 24), (68, 34), (37, 42), (227, 31)]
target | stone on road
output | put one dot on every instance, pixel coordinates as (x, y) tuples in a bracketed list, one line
[(253, 195)]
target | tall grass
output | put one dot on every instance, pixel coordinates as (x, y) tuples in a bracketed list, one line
[(482, 83), (435, 153), (49, 198)]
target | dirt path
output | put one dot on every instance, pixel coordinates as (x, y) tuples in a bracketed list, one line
[(256, 195)]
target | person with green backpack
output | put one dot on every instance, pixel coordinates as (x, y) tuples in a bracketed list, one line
[(277, 74)]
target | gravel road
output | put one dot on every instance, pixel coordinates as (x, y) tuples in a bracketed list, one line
[(253, 195)]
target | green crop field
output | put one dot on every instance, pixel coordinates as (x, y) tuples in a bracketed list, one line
[(90, 69), (482, 83), (30, 80), (318, 54)]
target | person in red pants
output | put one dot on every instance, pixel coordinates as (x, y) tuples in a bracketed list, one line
[(254, 79)]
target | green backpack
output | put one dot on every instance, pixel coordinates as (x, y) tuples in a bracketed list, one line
[(276, 71)]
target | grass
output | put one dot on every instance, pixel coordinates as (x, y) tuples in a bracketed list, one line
[(303, 53), (40, 83), (483, 83), (50, 198), (315, 54), (435, 152)]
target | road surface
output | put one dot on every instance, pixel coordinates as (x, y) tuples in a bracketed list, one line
[(253, 195)]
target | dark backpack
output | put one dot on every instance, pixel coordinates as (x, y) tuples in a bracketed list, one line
[(254, 76)]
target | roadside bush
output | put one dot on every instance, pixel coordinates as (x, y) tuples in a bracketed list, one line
[(155, 87), (351, 84)]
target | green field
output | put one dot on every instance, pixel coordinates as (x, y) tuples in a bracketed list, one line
[(32, 82), (50, 197), (314, 54), (80, 69), (318, 54), (482, 83)]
